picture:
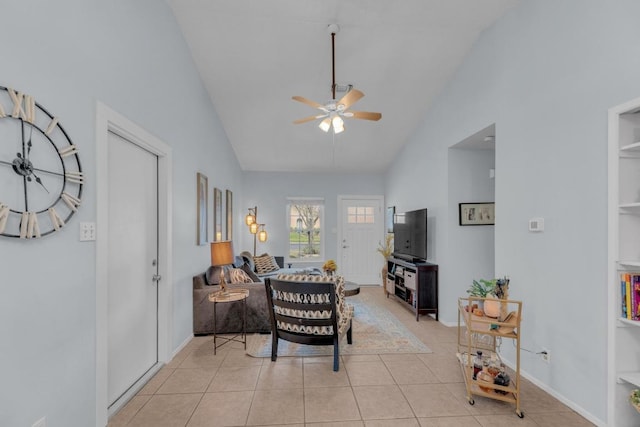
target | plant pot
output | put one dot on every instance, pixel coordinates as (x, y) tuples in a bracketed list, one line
[(492, 308)]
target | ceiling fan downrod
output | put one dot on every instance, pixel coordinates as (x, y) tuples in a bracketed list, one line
[(333, 65)]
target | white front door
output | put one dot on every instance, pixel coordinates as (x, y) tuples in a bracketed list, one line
[(132, 265), (361, 229)]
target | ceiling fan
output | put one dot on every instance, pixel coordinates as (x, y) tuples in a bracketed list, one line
[(334, 111)]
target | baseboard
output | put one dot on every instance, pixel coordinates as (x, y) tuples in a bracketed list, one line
[(571, 404), (180, 347)]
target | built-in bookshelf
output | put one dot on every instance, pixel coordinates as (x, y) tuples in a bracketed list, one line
[(624, 259)]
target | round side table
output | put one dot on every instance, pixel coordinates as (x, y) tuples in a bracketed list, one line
[(230, 296), (351, 289)]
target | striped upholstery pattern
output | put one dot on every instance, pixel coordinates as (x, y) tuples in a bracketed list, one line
[(344, 310)]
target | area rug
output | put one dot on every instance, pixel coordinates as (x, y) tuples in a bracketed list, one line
[(375, 331)]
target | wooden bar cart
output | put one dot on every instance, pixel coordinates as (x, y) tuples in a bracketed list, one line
[(478, 332)]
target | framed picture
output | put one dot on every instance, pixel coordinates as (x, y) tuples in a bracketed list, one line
[(477, 213), (217, 215), (388, 219), (229, 215), (202, 230)]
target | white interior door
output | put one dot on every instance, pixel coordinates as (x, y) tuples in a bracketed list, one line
[(132, 265), (361, 228)]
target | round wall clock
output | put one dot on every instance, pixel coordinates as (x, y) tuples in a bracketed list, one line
[(40, 174)]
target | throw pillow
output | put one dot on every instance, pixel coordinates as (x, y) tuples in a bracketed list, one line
[(237, 275), (212, 275), (247, 269), (265, 263), (248, 258)]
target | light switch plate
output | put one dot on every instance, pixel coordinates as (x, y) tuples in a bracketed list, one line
[(87, 231)]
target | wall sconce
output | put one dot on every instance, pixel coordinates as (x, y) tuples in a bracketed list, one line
[(258, 231)]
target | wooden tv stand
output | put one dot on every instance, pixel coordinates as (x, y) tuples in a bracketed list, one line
[(414, 284)]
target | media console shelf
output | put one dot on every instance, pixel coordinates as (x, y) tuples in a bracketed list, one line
[(414, 284)]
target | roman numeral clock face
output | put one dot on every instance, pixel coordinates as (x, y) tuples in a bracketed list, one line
[(40, 175)]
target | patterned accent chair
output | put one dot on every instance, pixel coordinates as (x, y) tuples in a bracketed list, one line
[(308, 310)]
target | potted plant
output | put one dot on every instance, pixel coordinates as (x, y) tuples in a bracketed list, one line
[(494, 290), (482, 288), (330, 267), (634, 398), (385, 250)]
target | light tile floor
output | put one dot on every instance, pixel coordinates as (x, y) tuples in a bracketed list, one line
[(198, 389)]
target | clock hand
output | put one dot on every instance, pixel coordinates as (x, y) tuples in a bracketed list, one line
[(38, 180), (26, 168), (46, 171)]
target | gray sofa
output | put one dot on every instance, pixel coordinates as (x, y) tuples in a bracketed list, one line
[(229, 315)]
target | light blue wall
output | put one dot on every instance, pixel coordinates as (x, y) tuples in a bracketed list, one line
[(269, 191), (545, 75), (131, 56), (469, 181)]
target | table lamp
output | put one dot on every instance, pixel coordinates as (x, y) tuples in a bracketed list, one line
[(222, 255)]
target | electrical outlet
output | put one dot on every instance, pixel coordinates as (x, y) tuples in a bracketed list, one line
[(546, 356), (42, 422)]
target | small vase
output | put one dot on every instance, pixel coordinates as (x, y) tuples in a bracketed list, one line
[(384, 279), (492, 308)]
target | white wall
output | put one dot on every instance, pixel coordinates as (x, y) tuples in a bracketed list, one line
[(269, 191), (545, 75), (130, 56), (473, 246)]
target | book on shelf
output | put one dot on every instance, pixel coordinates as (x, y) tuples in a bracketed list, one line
[(627, 285), (623, 297), (635, 297), (630, 295)]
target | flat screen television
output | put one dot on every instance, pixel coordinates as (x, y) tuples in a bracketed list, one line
[(410, 235)]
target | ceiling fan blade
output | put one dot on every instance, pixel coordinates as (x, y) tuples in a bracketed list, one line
[(350, 98), (308, 102), (364, 115), (308, 119)]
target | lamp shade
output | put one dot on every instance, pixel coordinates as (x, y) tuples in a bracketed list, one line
[(325, 125), (338, 124), (222, 253), (249, 219), (253, 228), (262, 235)]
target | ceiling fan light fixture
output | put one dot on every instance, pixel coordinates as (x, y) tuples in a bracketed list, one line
[(338, 124), (335, 109), (325, 125)]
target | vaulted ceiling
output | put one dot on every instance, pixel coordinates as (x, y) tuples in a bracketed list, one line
[(254, 55)]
